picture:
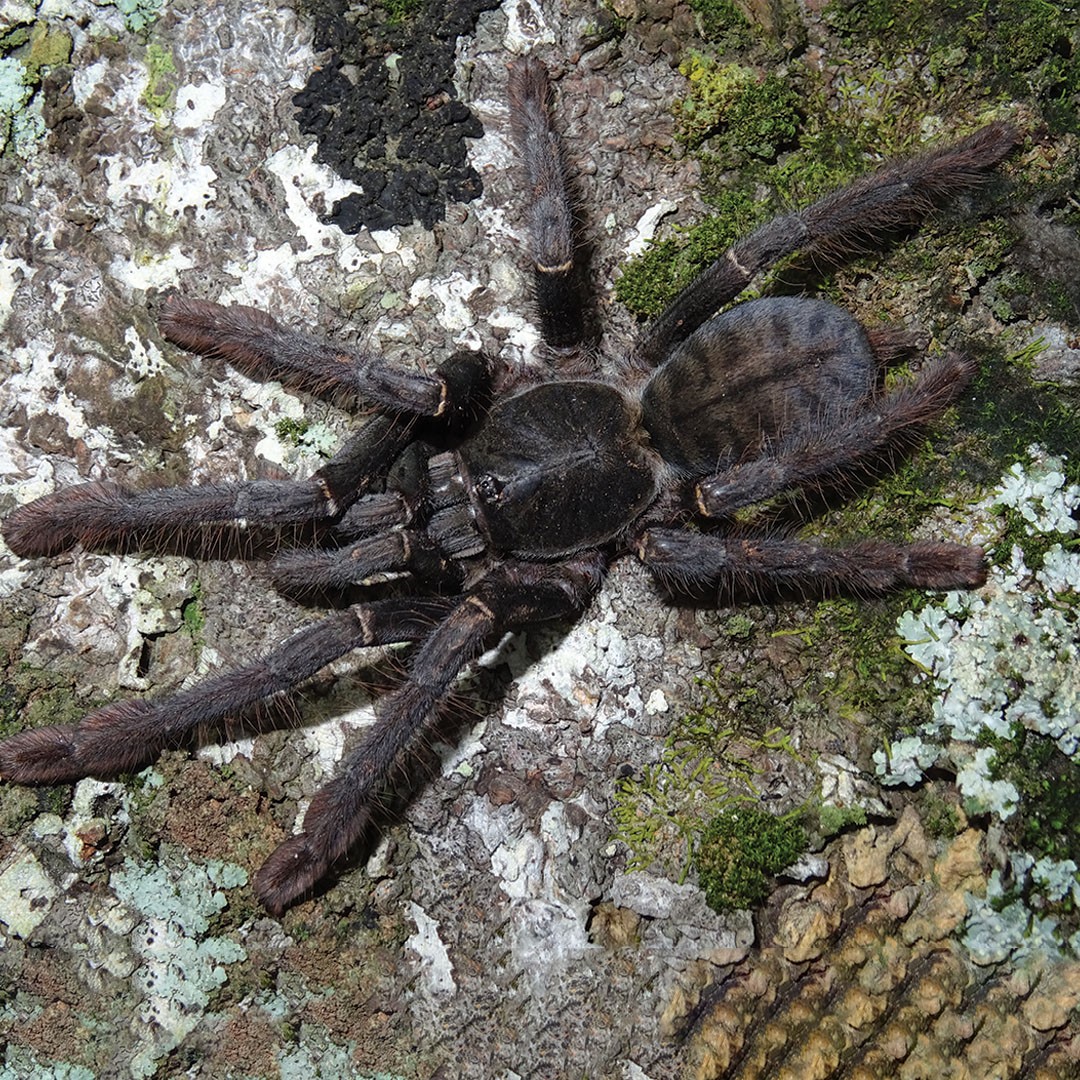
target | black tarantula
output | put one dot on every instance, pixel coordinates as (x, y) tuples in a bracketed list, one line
[(501, 501)]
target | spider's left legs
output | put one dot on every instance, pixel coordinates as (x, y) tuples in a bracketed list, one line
[(818, 449), (692, 561), (557, 280), (513, 595), (254, 343), (130, 734)]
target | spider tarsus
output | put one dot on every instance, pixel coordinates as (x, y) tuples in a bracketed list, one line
[(290, 873), (41, 756), (87, 514), (932, 565)]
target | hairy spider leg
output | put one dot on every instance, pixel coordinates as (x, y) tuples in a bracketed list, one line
[(691, 561), (129, 735), (104, 513), (820, 448), (254, 343), (854, 219), (556, 277), (513, 595), (304, 570)]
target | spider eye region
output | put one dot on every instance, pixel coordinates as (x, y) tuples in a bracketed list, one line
[(558, 468)]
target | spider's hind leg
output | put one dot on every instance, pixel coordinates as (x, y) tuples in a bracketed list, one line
[(820, 450), (690, 562), (513, 595), (128, 735), (896, 197)]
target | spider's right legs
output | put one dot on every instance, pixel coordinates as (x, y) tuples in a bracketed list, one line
[(130, 734), (827, 446), (690, 561), (550, 212), (849, 221)]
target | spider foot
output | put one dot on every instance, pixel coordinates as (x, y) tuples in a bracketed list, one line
[(41, 756), (944, 566), (105, 743), (85, 515), (292, 871)]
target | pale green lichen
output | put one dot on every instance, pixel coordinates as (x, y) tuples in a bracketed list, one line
[(1006, 720), (181, 966), (21, 1062), (20, 125), (1006, 924)]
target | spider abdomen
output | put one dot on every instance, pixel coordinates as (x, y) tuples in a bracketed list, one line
[(762, 368), (559, 467)]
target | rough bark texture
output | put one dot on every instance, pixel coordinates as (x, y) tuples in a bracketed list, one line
[(495, 931)]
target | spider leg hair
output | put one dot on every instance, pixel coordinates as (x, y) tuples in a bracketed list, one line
[(128, 735), (849, 221), (103, 513), (834, 444), (690, 561), (256, 344), (550, 212), (512, 595)]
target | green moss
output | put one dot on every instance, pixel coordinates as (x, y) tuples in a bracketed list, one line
[(941, 818), (651, 281), (835, 819), (292, 430), (1012, 48), (160, 89), (722, 24), (740, 852), (1008, 411), (194, 618), (754, 114), (708, 767), (401, 11), (855, 663)]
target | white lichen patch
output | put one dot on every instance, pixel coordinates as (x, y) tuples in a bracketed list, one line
[(13, 272), (646, 226), (1005, 660), (436, 970), (307, 185), (26, 893)]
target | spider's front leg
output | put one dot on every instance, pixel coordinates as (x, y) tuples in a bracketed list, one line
[(515, 594), (556, 277)]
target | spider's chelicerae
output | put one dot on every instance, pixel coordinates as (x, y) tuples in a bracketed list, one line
[(500, 500)]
